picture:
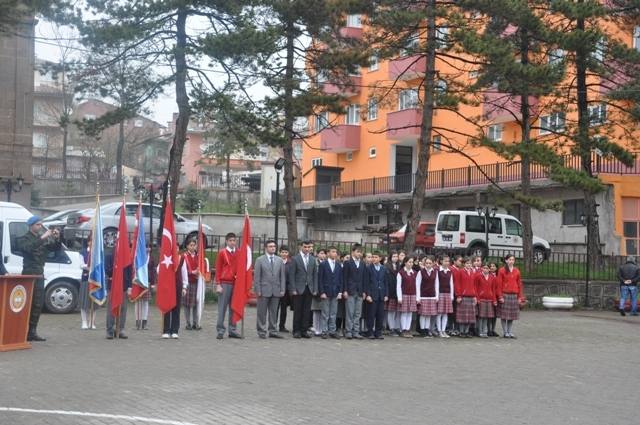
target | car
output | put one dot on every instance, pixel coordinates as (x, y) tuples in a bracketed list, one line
[(465, 231), (425, 235), (57, 220), (62, 270), (80, 224)]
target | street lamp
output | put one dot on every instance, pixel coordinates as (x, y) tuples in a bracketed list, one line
[(388, 205), (279, 165), (488, 213), (11, 185), (588, 218)]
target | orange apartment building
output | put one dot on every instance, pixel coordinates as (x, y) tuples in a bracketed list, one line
[(369, 154)]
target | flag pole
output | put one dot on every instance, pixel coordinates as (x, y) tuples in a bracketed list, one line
[(245, 304), (91, 318)]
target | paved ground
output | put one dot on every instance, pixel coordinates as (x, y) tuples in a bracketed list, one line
[(564, 368)]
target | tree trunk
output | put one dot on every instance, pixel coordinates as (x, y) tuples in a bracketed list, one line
[(184, 113), (228, 171), (584, 149), (424, 142), (525, 126), (65, 139), (119, 151), (290, 202)]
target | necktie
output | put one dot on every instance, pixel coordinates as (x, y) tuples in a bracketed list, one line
[(306, 262)]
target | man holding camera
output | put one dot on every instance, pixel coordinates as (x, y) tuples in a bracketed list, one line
[(34, 246)]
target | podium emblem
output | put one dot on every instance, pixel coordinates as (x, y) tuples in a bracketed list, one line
[(18, 298)]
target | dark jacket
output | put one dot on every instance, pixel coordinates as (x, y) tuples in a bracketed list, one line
[(629, 271), (329, 283), (34, 251), (354, 278), (128, 272), (377, 283)]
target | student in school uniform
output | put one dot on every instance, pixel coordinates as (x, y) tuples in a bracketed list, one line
[(342, 307), (316, 302), (171, 319), (455, 268), (225, 279), (189, 299), (466, 299), (329, 288), (142, 303), (485, 284), (493, 270), (510, 293), (476, 264), (445, 296), (429, 292), (88, 308), (377, 291), (391, 306), (354, 277), (285, 300), (407, 284)]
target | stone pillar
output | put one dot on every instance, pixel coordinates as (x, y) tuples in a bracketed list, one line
[(16, 108)]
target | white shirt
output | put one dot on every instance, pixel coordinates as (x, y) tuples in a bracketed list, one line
[(357, 263), (332, 264)]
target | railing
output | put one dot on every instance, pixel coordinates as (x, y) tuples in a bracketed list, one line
[(500, 172)]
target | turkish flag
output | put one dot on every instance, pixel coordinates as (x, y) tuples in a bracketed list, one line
[(121, 260), (167, 263), (244, 274)]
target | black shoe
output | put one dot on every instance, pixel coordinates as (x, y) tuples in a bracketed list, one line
[(297, 335), (197, 328), (220, 336), (277, 336), (36, 338), (334, 336), (262, 336), (109, 336), (122, 335), (379, 337), (306, 335), (188, 327), (284, 330), (324, 336), (234, 335), (349, 336), (634, 314), (138, 324), (371, 337), (145, 327), (622, 313)]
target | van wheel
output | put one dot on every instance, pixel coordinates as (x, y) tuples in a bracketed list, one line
[(478, 251), (61, 297), (538, 255)]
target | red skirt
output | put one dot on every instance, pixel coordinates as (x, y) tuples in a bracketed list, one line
[(510, 309), (486, 310), (445, 305), (391, 305), (428, 307), (466, 311), (408, 304), (190, 300)]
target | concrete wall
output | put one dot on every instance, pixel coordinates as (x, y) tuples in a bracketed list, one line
[(260, 225), (602, 295)]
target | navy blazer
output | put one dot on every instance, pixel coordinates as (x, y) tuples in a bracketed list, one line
[(329, 282), (378, 283), (354, 278)]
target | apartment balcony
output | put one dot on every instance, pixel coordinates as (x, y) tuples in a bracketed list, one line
[(407, 68), (404, 125), (340, 139), (351, 32), (348, 89), (502, 107)]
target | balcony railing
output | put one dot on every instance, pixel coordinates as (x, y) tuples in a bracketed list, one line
[(454, 178)]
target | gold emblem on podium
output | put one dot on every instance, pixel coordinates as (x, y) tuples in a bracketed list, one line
[(18, 298)]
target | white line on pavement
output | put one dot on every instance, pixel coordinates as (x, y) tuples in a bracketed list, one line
[(95, 415)]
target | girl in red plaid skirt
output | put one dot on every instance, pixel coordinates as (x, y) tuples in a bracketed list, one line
[(407, 283), (428, 297), (491, 324), (510, 294), (466, 299), (485, 289)]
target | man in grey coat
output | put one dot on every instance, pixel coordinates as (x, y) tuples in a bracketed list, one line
[(269, 284), (303, 284)]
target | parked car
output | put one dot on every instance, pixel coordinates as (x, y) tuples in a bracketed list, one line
[(62, 271), (80, 224), (425, 235), (465, 231), (58, 220)]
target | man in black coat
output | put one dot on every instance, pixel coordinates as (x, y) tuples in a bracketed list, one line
[(629, 275)]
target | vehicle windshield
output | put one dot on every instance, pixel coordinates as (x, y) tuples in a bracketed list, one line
[(402, 229)]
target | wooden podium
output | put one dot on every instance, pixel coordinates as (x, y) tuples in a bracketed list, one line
[(15, 307)]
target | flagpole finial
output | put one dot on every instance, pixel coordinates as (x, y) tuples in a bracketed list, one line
[(246, 208), (168, 188), (97, 188)]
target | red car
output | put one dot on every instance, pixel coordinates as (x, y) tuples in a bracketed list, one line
[(425, 236)]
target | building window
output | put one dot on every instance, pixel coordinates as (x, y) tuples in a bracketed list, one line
[(552, 123), (372, 152), (597, 114), (137, 123), (353, 115), (322, 121), (473, 74), (373, 219), (372, 110), (442, 37), (348, 156), (631, 225), (89, 117), (374, 63), (437, 143), (440, 91), (495, 133), (636, 38), (40, 140), (354, 21), (408, 99), (555, 57), (412, 44), (356, 71), (297, 151), (572, 211), (316, 162), (600, 48)]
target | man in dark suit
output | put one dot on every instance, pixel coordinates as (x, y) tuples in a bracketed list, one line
[(377, 293), (353, 278), (330, 290), (285, 301), (303, 284)]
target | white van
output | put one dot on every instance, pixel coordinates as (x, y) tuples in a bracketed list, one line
[(62, 271), (465, 231)]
